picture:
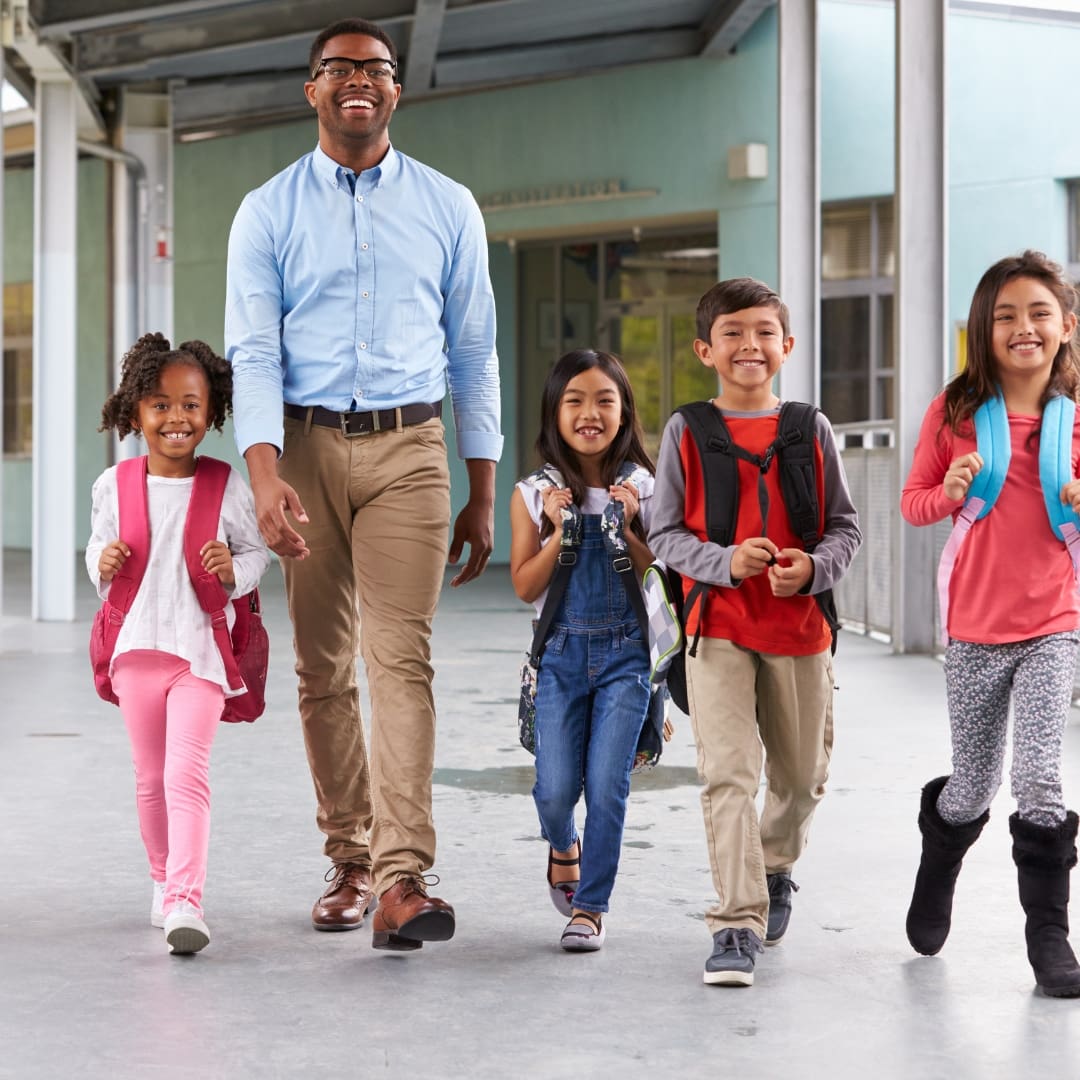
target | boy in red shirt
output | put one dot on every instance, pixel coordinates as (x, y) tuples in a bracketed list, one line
[(762, 673)]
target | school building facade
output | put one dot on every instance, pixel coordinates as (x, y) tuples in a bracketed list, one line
[(613, 198)]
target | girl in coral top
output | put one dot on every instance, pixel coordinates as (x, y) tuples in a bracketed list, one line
[(1010, 609)]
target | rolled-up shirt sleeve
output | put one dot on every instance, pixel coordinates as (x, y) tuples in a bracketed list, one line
[(253, 320)]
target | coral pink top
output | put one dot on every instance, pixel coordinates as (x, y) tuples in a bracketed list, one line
[(1013, 578)]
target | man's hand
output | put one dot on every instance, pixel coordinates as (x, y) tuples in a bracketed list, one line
[(273, 499), (475, 525), (752, 557), (217, 559), (792, 570), (111, 559)]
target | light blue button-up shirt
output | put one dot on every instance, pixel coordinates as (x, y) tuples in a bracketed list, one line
[(359, 300)]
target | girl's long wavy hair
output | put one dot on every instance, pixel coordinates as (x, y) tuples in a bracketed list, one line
[(628, 444), (978, 382)]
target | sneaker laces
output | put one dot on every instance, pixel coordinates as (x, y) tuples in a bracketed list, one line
[(780, 887), (742, 940)]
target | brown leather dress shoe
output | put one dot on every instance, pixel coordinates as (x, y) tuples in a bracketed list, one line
[(407, 917), (347, 899)]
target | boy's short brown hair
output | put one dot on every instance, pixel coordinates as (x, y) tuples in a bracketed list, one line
[(735, 294)]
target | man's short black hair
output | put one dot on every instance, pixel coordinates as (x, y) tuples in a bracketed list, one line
[(349, 26), (736, 294)]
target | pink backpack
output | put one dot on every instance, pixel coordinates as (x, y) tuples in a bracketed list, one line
[(246, 653)]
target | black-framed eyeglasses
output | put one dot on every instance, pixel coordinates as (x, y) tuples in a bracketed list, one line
[(339, 68)]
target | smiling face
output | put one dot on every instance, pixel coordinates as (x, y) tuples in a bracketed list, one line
[(174, 418), (590, 414), (747, 348), (1029, 329), (354, 113)]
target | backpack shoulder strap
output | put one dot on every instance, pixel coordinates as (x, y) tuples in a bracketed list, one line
[(992, 440), (796, 453), (200, 526), (134, 522), (718, 467), (1055, 463)]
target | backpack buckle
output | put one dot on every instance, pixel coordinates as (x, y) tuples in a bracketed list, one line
[(622, 564), (567, 558)]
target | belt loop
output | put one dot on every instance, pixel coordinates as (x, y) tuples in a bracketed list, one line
[(307, 420), (399, 425)]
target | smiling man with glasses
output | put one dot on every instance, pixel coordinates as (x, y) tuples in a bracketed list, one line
[(357, 290)]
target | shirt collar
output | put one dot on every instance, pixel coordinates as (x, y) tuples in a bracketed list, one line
[(326, 167)]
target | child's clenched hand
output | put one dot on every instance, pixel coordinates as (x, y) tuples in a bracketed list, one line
[(217, 559), (1070, 493), (555, 501), (961, 472), (112, 558), (792, 570), (627, 494), (752, 556)]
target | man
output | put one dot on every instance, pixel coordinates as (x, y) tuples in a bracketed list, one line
[(357, 288)]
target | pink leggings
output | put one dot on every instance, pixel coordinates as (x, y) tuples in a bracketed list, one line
[(171, 717)]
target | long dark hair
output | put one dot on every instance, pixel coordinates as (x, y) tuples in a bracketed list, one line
[(628, 444), (978, 381)]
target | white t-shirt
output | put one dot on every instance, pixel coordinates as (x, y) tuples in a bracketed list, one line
[(165, 615), (595, 501)]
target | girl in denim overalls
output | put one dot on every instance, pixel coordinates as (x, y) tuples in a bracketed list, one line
[(593, 689)]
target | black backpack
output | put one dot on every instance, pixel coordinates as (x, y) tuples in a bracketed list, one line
[(793, 450)]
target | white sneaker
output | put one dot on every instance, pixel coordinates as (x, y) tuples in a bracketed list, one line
[(157, 905), (185, 931)]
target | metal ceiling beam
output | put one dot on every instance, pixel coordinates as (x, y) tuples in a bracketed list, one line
[(107, 52), (727, 22), (576, 57), (423, 44), (63, 18)]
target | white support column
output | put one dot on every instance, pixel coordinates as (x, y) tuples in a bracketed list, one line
[(920, 340), (799, 199), (54, 449)]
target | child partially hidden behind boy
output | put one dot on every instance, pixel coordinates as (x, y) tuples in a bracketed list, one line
[(762, 673)]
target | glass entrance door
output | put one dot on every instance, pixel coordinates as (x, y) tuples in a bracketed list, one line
[(654, 340)]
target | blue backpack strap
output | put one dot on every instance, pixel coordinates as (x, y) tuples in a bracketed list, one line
[(995, 448), (1055, 463)]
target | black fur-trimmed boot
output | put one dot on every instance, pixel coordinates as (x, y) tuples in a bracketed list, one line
[(1044, 855), (943, 848)]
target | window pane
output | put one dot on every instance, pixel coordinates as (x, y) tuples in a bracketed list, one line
[(579, 293), (845, 242), (635, 339), (845, 360), (691, 380), (661, 266), (886, 217)]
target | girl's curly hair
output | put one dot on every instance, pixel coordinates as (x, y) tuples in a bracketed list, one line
[(140, 374)]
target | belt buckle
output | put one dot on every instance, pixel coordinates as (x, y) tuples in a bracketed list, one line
[(350, 434)]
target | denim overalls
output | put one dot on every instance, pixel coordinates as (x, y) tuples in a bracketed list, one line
[(591, 701)]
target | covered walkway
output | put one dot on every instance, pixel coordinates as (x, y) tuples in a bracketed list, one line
[(86, 987)]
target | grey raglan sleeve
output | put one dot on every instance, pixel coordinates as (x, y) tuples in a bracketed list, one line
[(669, 539), (841, 537)]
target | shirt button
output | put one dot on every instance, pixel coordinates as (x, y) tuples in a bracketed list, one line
[(359, 198), (364, 246), (364, 293), (363, 344)]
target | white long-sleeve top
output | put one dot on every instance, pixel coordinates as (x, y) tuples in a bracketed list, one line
[(165, 615)]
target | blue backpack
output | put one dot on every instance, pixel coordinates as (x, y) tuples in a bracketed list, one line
[(995, 448)]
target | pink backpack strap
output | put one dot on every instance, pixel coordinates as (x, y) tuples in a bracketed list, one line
[(201, 525), (134, 531)]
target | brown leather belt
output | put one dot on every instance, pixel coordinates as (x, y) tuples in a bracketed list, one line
[(351, 424)]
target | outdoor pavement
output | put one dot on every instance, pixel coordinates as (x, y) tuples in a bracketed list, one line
[(87, 989)]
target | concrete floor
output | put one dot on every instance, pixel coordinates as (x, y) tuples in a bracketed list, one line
[(87, 989)]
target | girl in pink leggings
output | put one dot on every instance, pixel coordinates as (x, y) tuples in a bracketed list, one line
[(166, 670)]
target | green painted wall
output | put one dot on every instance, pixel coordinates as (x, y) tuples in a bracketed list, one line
[(91, 371)]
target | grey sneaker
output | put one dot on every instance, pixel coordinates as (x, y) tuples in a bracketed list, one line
[(780, 889), (732, 960)]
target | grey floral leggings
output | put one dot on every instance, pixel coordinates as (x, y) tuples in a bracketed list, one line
[(979, 680)]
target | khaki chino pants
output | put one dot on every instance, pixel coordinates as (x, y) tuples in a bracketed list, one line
[(744, 704), (379, 513)]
